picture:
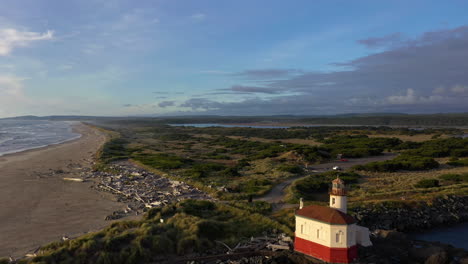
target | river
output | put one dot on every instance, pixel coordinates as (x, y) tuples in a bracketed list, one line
[(453, 235)]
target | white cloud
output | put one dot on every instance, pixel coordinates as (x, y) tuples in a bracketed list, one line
[(10, 86), (459, 89), (11, 38), (65, 67), (439, 90), (134, 19), (409, 98), (198, 16), (412, 98), (214, 72), (11, 94)]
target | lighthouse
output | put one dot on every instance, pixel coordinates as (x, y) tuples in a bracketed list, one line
[(338, 198), (329, 233)]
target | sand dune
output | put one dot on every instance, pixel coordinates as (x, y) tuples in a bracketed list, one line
[(38, 207)]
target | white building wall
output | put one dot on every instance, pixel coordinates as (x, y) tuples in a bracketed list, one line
[(339, 202), (325, 234), (363, 236)]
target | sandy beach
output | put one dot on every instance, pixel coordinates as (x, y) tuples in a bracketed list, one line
[(37, 206)]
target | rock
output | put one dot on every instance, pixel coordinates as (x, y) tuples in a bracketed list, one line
[(437, 258), (424, 253), (410, 217), (390, 234)]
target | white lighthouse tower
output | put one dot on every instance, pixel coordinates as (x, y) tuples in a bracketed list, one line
[(338, 199)]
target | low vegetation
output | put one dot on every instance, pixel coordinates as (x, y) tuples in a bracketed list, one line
[(314, 186), (421, 156), (235, 164), (454, 178), (187, 227), (427, 183), (402, 162)]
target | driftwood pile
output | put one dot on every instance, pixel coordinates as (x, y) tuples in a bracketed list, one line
[(141, 189), (273, 243)]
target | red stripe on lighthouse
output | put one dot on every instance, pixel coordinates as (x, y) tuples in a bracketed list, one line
[(334, 255)]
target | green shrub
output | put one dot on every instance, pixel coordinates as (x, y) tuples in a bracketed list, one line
[(255, 186), (161, 161), (427, 183), (190, 226), (290, 168), (211, 229), (198, 208), (202, 170), (402, 162), (458, 162), (259, 207), (319, 183), (230, 172), (114, 149), (454, 177)]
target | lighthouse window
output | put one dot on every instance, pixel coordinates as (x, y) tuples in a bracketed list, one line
[(302, 229), (333, 200), (318, 233)]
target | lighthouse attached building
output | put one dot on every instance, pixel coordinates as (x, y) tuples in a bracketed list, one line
[(329, 233)]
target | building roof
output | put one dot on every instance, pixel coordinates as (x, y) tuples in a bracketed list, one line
[(326, 214)]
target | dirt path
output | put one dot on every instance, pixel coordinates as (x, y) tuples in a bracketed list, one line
[(277, 194)]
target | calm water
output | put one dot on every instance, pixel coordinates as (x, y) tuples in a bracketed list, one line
[(20, 135), (454, 235)]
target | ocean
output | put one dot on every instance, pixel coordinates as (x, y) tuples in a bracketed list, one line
[(21, 135)]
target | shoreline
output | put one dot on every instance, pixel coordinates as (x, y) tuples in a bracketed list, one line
[(21, 151), (37, 206), (72, 129)]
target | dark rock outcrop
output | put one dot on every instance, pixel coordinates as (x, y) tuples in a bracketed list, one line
[(402, 216)]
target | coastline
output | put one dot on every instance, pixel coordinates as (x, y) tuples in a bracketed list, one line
[(73, 129), (37, 206)]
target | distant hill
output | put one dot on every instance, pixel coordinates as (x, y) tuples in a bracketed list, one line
[(364, 119), (379, 119)]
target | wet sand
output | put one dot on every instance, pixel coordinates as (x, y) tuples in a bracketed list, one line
[(37, 206)]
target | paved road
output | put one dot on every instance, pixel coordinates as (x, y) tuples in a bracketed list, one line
[(277, 194)]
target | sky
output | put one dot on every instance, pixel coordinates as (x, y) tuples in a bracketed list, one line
[(243, 57)]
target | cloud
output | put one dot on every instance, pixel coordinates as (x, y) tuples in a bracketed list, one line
[(11, 38), (252, 89), (459, 89), (378, 42), (135, 19), (423, 74), (164, 104), (11, 86), (65, 67), (198, 16), (11, 94), (410, 98), (262, 74), (213, 72), (201, 104)]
